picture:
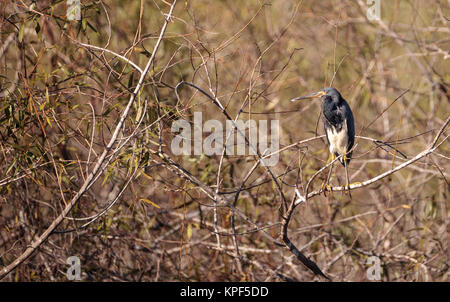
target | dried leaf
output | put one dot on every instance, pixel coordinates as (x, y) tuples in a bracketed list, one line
[(150, 202)]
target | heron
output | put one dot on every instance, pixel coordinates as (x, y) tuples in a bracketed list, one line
[(339, 126)]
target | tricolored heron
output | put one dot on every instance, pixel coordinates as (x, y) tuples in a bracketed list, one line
[(339, 125)]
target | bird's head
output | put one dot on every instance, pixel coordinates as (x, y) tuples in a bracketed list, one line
[(328, 92)]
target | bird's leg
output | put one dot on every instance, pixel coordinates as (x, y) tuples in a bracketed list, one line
[(327, 183), (347, 177)]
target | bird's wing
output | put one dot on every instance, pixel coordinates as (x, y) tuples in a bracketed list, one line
[(350, 128), (334, 115)]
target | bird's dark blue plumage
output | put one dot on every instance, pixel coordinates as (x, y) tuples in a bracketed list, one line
[(339, 126), (338, 123)]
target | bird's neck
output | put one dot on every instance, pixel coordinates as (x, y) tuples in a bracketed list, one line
[(327, 102)]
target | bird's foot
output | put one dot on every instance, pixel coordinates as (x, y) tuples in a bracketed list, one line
[(326, 188), (347, 188)]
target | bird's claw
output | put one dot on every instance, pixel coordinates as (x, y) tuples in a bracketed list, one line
[(327, 188)]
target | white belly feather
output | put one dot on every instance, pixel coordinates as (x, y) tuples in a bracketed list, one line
[(338, 140)]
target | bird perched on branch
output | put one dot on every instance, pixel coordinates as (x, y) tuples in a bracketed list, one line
[(339, 125)]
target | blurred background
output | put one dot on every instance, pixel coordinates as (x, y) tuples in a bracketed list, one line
[(142, 221)]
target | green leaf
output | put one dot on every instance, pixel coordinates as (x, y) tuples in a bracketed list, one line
[(21, 32), (83, 24), (130, 80)]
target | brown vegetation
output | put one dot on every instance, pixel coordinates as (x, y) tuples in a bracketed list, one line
[(86, 169)]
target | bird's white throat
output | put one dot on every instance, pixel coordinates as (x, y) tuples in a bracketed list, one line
[(338, 139)]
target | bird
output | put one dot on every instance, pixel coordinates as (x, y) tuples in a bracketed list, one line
[(339, 126)]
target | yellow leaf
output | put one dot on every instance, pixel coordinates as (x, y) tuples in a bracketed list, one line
[(48, 121), (155, 143), (146, 175), (189, 231), (21, 32), (406, 206), (150, 202)]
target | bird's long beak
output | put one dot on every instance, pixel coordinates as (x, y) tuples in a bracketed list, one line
[(314, 95)]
